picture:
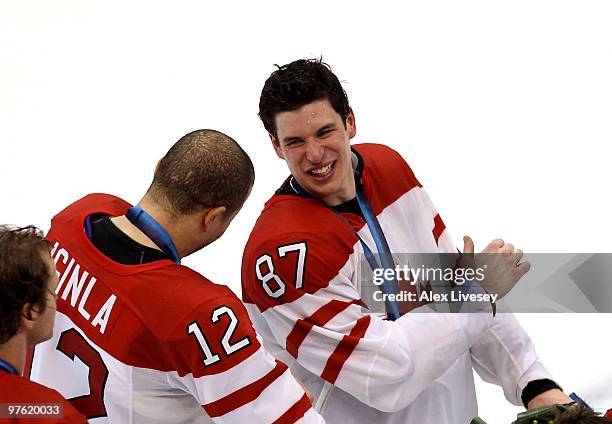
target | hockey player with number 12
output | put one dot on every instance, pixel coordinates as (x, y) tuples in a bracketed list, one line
[(140, 338)]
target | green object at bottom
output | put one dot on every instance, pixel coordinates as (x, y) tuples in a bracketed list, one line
[(535, 416)]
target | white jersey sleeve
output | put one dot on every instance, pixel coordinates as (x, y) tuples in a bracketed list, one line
[(506, 356)]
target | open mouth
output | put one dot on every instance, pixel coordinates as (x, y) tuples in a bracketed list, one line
[(323, 171)]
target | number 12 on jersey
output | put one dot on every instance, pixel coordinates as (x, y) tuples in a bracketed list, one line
[(228, 347), (266, 277)]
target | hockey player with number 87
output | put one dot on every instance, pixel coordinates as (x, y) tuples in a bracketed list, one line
[(300, 274)]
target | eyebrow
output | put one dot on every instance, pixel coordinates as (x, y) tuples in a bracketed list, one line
[(325, 127), (290, 139)]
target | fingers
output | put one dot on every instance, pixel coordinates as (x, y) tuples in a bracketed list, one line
[(494, 246), (468, 245), (499, 246), (503, 264), (522, 269), (497, 243), (517, 256)]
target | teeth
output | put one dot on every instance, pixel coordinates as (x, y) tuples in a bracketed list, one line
[(322, 171)]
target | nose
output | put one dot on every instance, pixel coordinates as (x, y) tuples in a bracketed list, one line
[(314, 151)]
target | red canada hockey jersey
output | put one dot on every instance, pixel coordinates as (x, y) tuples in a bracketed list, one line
[(18, 390), (155, 343)]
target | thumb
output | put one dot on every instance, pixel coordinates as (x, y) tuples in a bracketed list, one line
[(468, 245)]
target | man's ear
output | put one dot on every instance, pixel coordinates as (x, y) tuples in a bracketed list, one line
[(350, 123), (276, 145), (29, 315), (212, 214)]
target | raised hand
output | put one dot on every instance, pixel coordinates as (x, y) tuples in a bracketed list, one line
[(500, 263)]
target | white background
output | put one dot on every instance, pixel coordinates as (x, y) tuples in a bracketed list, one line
[(503, 109)]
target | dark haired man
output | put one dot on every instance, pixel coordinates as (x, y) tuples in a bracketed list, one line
[(156, 341), (301, 265), (27, 311), (574, 413), (579, 414)]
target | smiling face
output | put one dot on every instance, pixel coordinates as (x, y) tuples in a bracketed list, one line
[(315, 143)]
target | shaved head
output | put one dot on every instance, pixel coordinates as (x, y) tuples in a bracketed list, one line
[(205, 168)]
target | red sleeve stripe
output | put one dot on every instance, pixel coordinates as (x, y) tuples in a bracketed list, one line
[(344, 349), (438, 228), (244, 395), (319, 318), (296, 412)]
